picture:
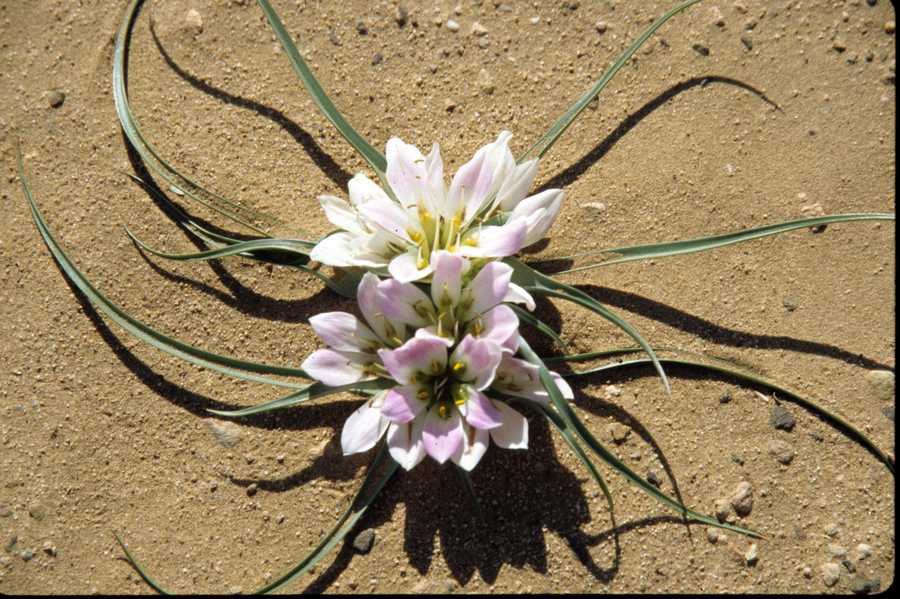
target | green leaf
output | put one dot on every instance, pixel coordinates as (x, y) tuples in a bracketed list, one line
[(345, 524), (723, 367), (538, 324), (375, 159), (140, 570), (535, 282), (224, 364), (313, 391), (673, 248), (575, 423), (549, 138), (181, 183)]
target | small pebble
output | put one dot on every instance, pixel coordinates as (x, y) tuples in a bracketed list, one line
[(364, 541), (752, 555), (888, 412), (789, 304), (619, 433), (485, 82), (228, 434), (725, 397), (882, 383), (49, 548), (837, 551), (712, 535), (37, 511), (193, 20), (722, 510), (56, 98), (449, 105), (890, 27), (742, 498), (361, 27), (377, 59), (401, 16), (838, 45), (781, 451), (252, 489), (701, 49), (452, 25), (716, 16), (478, 29), (27, 555), (601, 27), (748, 43), (863, 586), (831, 573), (863, 551), (832, 530), (807, 572), (595, 206), (848, 566), (654, 479), (782, 419), (5, 512)]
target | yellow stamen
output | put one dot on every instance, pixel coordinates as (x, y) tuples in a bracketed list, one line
[(458, 367), (423, 394), (443, 411)]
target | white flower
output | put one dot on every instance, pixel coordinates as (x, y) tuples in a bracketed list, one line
[(483, 214)]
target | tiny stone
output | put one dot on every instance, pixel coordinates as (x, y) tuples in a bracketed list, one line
[(452, 25), (789, 304), (712, 535), (27, 555), (361, 27), (748, 43), (742, 499), (279, 519), (701, 49), (449, 105), (716, 16), (781, 451), (485, 82), (654, 479), (377, 59), (49, 548), (722, 510), (752, 555), (332, 36), (252, 489), (839, 45), (596, 206), (364, 541), (807, 572), (863, 551), (888, 412), (890, 27), (228, 434), (601, 27), (11, 543), (618, 433), (193, 20), (5, 512), (56, 98), (835, 550), (782, 419), (864, 586), (882, 383), (725, 397), (572, 5), (401, 16), (831, 573), (871, 2), (832, 530), (37, 511), (535, 20), (280, 458), (848, 566), (479, 29)]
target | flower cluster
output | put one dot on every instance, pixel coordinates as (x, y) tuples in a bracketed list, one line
[(450, 357), (483, 214)]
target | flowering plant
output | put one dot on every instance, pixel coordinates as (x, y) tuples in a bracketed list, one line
[(439, 349)]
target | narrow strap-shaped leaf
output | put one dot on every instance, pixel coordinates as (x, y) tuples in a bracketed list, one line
[(673, 248), (742, 375), (375, 159), (345, 524), (536, 282), (549, 138), (575, 423), (234, 367), (313, 391), (227, 208), (140, 570), (538, 324)]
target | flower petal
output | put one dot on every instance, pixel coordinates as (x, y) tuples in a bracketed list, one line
[(401, 404), (487, 289), (404, 302), (363, 429), (479, 178), (405, 443), (520, 378), (475, 361), (385, 328), (415, 358), (430, 332), (513, 433), (389, 216), (344, 332), (479, 411), (500, 325), (516, 186), (442, 437), (496, 241), (406, 171), (336, 368), (342, 214), (447, 280), (405, 267), (518, 295), (362, 190), (340, 249), (475, 444), (434, 166), (539, 212)]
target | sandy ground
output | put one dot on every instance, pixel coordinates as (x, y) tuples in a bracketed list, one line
[(99, 432)]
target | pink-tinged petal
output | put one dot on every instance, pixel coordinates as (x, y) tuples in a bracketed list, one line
[(363, 429), (427, 356), (442, 436), (404, 302), (389, 216), (520, 378), (339, 250), (496, 241), (405, 267), (516, 186), (406, 171), (430, 332), (434, 166), (344, 332), (362, 190), (487, 289), (501, 325), (518, 295), (475, 444), (479, 411), (366, 292), (513, 433), (446, 283), (336, 368), (405, 443), (479, 178), (539, 212), (402, 404), (474, 361), (341, 214)]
